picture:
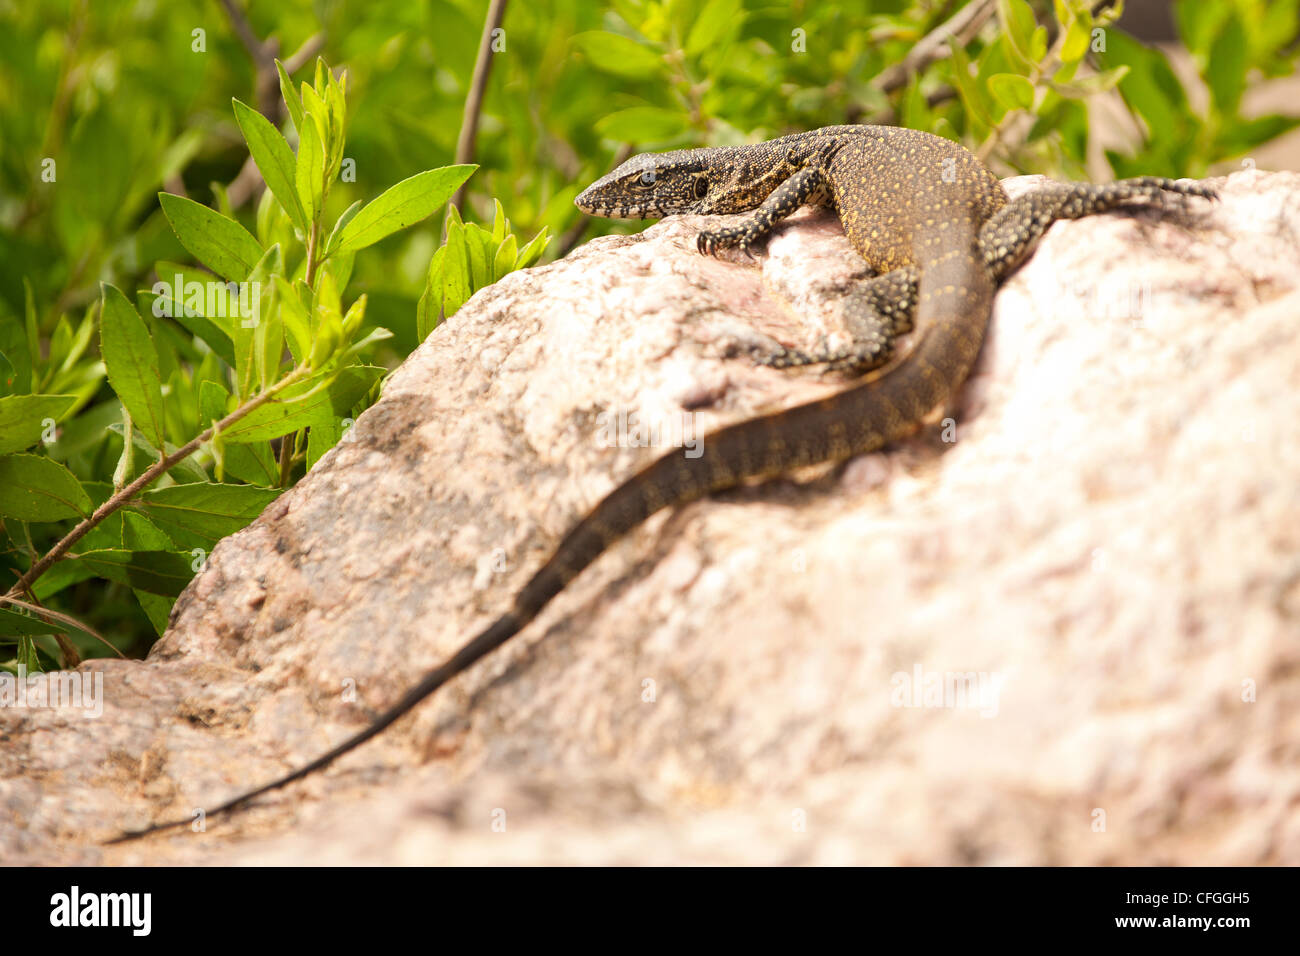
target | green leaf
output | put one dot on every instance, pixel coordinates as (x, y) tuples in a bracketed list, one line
[(221, 244), (403, 205), (62, 575), (1086, 86), (187, 469), (157, 572), (337, 119), (322, 437), (14, 623), (268, 339), (504, 261), (368, 341), (252, 462), (619, 55), (157, 609), (203, 330), (533, 251), (455, 270), (309, 175), (1038, 44), (141, 534), (60, 346), (291, 98), (1198, 25), (718, 19), (23, 418), (314, 105), (1012, 91), (500, 224), (8, 374), (200, 515), (315, 402), (428, 311), (27, 657), (340, 266), (296, 317), (34, 488), (1017, 19), (80, 341), (33, 325), (643, 124), (1245, 135), (17, 359), (971, 95), (476, 239), (246, 332), (337, 233), (355, 315), (328, 333), (1226, 73), (132, 363), (1150, 88), (274, 160), (83, 432)]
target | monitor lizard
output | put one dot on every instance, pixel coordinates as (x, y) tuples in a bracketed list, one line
[(939, 234)]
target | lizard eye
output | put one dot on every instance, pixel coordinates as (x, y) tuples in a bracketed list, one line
[(648, 178), (701, 187)]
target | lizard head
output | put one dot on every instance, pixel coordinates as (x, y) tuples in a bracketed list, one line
[(648, 186), (653, 185)]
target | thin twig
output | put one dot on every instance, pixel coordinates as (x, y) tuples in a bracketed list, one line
[(266, 87), (888, 116), (962, 26), (62, 618), (478, 85), (126, 494)]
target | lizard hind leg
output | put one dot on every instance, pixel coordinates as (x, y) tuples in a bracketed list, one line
[(1011, 234), (876, 313)]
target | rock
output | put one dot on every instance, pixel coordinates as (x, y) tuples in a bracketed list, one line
[(1109, 548)]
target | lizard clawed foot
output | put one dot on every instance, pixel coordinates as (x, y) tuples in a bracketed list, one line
[(710, 241)]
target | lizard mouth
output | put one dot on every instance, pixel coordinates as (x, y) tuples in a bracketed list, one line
[(596, 205)]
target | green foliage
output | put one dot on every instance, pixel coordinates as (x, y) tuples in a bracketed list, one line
[(131, 245), (216, 390), (470, 259), (1230, 41), (1019, 92)]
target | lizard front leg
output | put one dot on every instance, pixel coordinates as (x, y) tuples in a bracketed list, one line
[(876, 314), (805, 185)]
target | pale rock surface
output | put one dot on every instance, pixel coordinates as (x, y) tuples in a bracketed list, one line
[(1113, 538)]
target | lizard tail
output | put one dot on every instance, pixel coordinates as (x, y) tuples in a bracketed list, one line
[(952, 313), (493, 637)]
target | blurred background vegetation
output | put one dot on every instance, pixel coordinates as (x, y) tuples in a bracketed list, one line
[(127, 98)]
